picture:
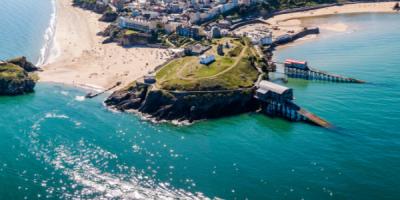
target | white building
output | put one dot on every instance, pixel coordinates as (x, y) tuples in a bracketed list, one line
[(138, 24), (207, 59), (260, 38), (268, 90)]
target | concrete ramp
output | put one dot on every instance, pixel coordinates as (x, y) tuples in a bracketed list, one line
[(313, 118)]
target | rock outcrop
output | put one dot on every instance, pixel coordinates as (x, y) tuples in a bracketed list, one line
[(14, 79), (22, 62), (98, 7), (109, 16), (112, 34), (126, 38), (190, 105)]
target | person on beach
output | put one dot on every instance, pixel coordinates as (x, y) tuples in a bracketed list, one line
[(396, 6)]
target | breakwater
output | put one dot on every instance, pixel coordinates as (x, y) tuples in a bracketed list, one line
[(292, 37)]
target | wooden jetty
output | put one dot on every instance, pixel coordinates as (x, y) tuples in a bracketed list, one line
[(300, 69), (278, 101), (93, 95)]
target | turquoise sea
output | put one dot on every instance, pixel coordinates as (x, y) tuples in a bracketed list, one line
[(54, 144)]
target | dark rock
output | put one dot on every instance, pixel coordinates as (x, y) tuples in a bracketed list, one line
[(95, 6), (169, 105), (128, 98), (136, 38), (112, 33), (22, 62), (109, 16)]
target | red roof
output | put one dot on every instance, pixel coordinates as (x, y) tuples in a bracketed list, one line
[(291, 61)]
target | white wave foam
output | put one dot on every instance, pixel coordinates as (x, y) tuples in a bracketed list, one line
[(56, 116), (80, 98), (65, 93), (49, 49)]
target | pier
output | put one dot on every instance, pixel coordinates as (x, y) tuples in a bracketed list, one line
[(93, 95), (277, 100), (301, 70)]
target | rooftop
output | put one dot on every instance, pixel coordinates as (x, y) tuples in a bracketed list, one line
[(265, 86), (291, 61)]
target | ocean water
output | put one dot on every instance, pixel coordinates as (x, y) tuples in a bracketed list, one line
[(26, 28), (55, 144)]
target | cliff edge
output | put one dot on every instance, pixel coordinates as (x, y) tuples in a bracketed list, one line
[(182, 105)]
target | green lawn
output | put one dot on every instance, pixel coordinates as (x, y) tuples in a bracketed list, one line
[(130, 32)]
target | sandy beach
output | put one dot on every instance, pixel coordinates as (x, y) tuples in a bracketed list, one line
[(79, 58), (293, 22), (382, 7)]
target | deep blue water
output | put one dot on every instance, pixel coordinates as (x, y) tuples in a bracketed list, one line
[(54, 145)]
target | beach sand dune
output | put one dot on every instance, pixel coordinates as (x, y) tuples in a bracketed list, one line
[(81, 58)]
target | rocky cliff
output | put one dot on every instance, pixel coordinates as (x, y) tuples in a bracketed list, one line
[(14, 79), (22, 62), (126, 38), (169, 105)]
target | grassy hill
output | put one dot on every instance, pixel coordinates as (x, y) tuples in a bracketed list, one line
[(11, 72), (229, 71)]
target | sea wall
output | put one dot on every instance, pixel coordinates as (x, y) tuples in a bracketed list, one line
[(295, 36), (183, 105), (247, 22), (303, 9)]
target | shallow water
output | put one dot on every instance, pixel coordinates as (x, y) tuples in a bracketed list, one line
[(54, 145)]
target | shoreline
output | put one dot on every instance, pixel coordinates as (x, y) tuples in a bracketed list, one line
[(353, 8), (48, 45), (78, 58), (296, 20)]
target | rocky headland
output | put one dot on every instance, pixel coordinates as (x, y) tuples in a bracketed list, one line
[(182, 106), (16, 77)]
